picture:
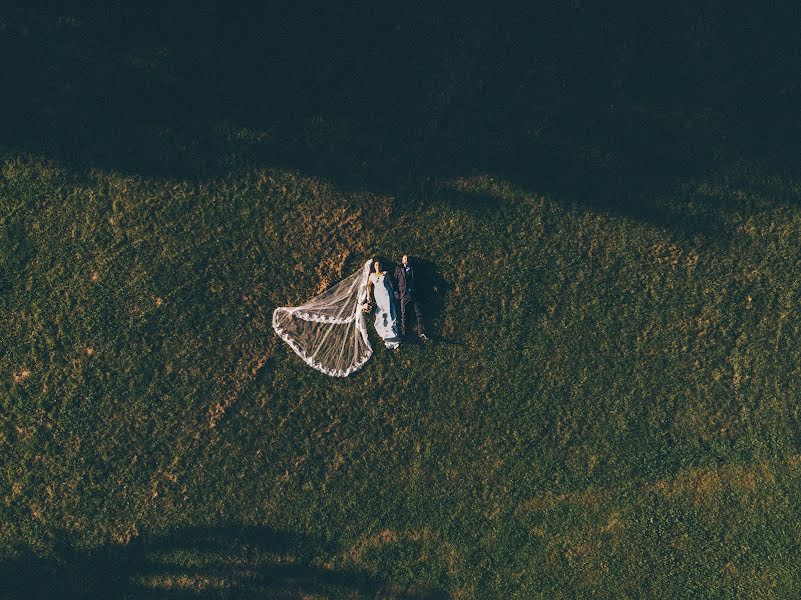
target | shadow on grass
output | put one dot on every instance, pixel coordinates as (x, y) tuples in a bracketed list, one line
[(434, 287), (214, 562), (599, 107)]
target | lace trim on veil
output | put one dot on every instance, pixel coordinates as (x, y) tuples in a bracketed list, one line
[(313, 363), (350, 303)]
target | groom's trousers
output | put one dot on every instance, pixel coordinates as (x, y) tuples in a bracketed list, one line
[(407, 302)]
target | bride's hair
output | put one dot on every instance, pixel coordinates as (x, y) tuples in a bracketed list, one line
[(377, 261)]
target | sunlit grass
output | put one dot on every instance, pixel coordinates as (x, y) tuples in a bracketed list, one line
[(611, 407)]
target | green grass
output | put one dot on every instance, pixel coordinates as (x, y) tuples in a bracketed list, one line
[(611, 408)]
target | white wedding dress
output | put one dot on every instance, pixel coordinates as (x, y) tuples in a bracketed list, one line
[(386, 317)]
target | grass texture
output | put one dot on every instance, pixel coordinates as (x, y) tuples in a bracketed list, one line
[(610, 406)]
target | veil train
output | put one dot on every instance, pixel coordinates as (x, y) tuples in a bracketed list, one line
[(329, 332)]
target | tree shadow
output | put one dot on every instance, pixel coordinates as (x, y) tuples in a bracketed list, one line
[(605, 109), (197, 562)]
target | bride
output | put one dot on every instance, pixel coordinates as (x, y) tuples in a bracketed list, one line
[(329, 332), (378, 296)]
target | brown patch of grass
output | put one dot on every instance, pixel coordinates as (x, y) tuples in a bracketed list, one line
[(170, 474), (747, 228), (129, 534), (794, 462), (670, 254), (418, 536), (21, 375), (541, 503), (463, 593), (702, 325), (497, 188), (337, 231), (329, 269), (387, 536), (680, 541), (493, 512), (445, 552), (185, 583), (706, 486), (586, 498), (259, 363), (449, 555), (691, 260), (614, 524), (215, 413), (23, 433), (750, 479), (666, 253), (90, 351)]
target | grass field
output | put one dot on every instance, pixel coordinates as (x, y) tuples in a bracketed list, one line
[(607, 206)]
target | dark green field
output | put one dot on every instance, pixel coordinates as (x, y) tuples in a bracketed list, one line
[(606, 202)]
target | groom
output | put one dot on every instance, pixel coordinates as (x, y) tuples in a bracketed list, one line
[(408, 295)]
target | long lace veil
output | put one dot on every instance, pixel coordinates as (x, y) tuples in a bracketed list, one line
[(329, 331)]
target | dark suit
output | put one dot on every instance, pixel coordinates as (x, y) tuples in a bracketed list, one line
[(409, 292)]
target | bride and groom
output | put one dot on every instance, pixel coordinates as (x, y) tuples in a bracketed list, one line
[(329, 332), (379, 299)]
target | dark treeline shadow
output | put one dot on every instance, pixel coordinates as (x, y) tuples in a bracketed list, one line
[(204, 562), (599, 106)]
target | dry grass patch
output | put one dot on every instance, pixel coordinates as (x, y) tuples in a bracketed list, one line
[(363, 544), (614, 524), (444, 552), (21, 375), (666, 253), (184, 583), (125, 538), (335, 233), (463, 593), (23, 433), (706, 486), (591, 498), (794, 462), (670, 254)]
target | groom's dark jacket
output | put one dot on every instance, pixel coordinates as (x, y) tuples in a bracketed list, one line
[(406, 283)]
